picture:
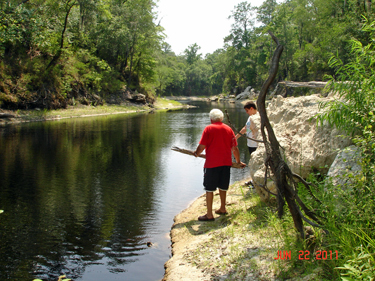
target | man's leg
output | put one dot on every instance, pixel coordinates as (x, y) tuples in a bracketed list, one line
[(209, 201), (223, 198)]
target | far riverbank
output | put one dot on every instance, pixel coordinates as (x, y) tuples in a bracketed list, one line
[(81, 111)]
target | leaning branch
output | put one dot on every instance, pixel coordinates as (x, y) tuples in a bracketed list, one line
[(307, 185), (311, 223)]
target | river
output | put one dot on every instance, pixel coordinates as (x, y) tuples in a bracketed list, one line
[(83, 197)]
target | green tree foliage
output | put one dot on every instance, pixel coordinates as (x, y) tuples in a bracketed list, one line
[(265, 12), (217, 62), (170, 71), (198, 79), (51, 51), (191, 54), (243, 16), (354, 82), (353, 112)]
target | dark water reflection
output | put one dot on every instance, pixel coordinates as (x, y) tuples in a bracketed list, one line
[(82, 197)]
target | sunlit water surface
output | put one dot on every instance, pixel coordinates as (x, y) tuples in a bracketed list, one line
[(82, 197)]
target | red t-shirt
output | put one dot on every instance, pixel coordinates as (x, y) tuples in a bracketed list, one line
[(219, 140)]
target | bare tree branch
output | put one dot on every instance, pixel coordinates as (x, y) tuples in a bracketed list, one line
[(311, 223), (307, 185)]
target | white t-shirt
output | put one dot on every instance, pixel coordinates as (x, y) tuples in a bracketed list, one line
[(249, 133)]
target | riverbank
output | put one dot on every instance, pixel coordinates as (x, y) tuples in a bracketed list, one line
[(81, 111), (216, 250), (239, 246)]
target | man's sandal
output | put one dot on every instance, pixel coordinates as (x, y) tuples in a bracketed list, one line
[(205, 218), (220, 212)]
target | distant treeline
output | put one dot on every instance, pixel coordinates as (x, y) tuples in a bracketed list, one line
[(55, 53)]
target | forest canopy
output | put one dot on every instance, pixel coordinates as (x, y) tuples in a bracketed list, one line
[(54, 53)]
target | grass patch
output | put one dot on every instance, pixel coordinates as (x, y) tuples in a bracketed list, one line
[(166, 103)]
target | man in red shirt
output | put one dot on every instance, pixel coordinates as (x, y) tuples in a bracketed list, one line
[(220, 142)]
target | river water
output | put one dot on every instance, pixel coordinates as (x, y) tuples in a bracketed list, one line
[(82, 197)]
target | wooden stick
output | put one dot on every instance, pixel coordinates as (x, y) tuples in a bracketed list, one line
[(190, 152)]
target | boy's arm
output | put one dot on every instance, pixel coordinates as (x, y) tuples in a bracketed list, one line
[(243, 131)]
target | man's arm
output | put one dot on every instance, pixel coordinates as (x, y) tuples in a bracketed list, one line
[(199, 150), (236, 154)]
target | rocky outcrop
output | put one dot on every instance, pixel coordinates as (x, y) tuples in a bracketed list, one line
[(305, 146), (138, 98), (126, 95)]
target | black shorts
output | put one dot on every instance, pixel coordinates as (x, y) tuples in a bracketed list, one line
[(217, 177), (251, 149)]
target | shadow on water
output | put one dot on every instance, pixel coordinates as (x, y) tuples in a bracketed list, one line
[(82, 197)]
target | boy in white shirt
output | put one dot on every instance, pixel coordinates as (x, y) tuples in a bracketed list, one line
[(250, 128)]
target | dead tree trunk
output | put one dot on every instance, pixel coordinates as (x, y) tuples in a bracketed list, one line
[(281, 171)]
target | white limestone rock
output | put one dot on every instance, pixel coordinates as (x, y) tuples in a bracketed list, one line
[(306, 147), (345, 168)]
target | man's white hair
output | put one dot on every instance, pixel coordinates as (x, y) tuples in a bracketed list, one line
[(216, 115)]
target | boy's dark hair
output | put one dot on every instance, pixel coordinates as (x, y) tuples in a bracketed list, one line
[(250, 104)]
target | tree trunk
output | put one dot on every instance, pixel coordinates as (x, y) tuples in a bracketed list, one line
[(279, 168)]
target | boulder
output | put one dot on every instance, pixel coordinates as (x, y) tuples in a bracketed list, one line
[(244, 95), (345, 168), (343, 173), (306, 147)]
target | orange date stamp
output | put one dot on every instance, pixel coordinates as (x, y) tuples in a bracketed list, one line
[(306, 255)]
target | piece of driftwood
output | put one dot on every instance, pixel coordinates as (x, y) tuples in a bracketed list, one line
[(7, 115), (190, 152)]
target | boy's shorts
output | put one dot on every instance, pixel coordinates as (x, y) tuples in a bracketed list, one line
[(252, 149), (217, 177)]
